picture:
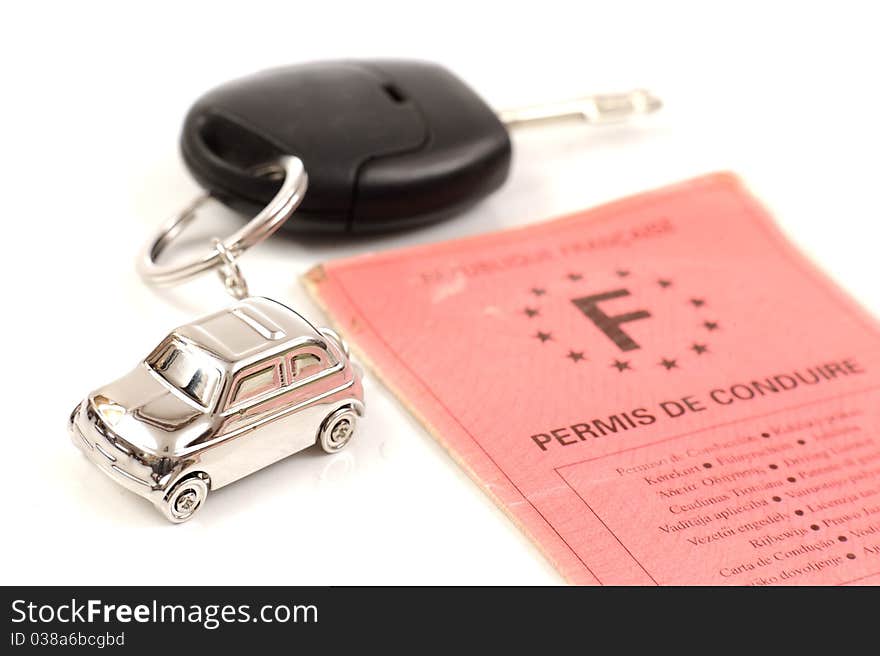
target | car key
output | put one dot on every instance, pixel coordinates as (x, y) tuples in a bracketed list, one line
[(386, 144)]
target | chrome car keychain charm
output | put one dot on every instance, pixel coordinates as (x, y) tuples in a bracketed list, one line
[(225, 395)]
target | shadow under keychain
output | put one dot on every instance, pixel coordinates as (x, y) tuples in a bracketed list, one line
[(388, 144)]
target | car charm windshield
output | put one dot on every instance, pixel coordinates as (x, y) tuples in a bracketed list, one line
[(183, 369)]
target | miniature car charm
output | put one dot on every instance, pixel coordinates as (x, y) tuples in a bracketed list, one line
[(228, 394), (217, 400)]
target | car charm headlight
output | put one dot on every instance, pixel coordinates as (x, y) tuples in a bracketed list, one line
[(110, 411)]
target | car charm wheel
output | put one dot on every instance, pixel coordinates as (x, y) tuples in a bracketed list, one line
[(338, 429), (185, 498)]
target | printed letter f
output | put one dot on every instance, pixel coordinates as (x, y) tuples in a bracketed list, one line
[(589, 305)]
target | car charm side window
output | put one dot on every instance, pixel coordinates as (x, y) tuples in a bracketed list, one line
[(303, 365), (255, 383)]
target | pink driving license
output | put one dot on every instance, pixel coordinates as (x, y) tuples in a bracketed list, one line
[(657, 391)]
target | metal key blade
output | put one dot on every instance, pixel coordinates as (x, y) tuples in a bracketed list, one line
[(601, 108)]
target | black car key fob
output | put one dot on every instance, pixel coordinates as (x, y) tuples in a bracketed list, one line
[(386, 144)]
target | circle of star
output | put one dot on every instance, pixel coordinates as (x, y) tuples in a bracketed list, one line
[(575, 278)]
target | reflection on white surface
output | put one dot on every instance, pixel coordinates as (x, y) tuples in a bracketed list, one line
[(338, 468)]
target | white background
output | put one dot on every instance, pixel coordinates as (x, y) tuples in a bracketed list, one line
[(93, 96)]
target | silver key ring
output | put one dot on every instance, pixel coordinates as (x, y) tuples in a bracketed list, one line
[(225, 251)]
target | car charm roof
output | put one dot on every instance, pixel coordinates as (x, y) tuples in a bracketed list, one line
[(247, 329)]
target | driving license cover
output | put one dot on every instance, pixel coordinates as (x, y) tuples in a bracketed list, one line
[(657, 391)]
